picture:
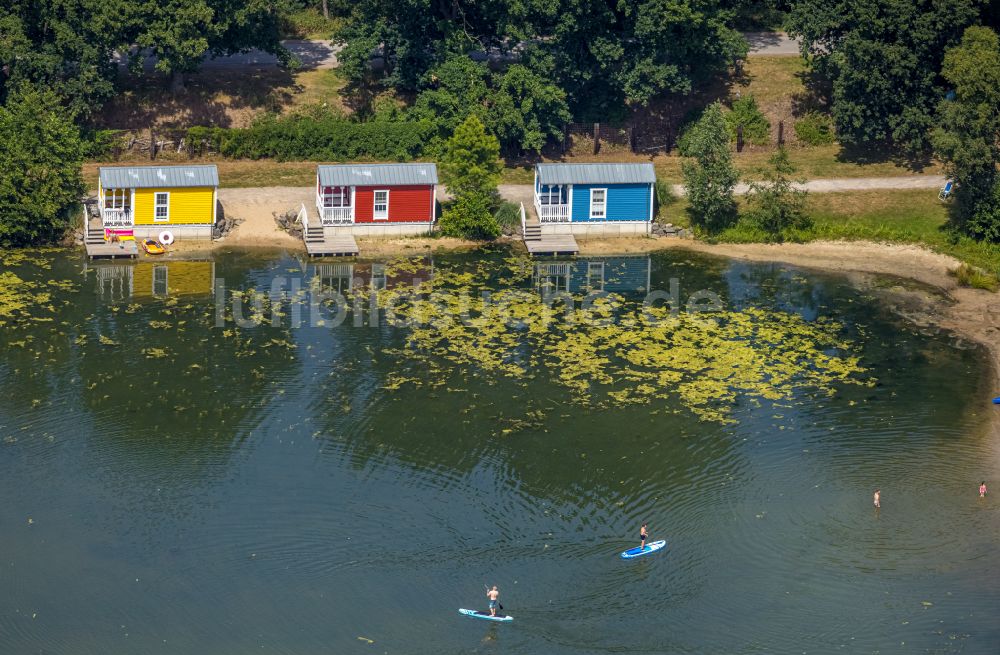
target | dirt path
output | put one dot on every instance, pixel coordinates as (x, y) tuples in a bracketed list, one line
[(257, 206), (322, 54), (772, 44), (835, 185)]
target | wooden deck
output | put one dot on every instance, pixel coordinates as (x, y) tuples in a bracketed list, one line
[(341, 245), (111, 250), (547, 244), (554, 244)]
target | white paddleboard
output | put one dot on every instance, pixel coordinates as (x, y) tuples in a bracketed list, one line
[(651, 547), (486, 616)]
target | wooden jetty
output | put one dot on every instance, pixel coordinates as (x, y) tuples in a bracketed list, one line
[(319, 244), (545, 244), (96, 246)]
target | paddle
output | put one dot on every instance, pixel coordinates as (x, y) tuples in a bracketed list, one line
[(487, 588)]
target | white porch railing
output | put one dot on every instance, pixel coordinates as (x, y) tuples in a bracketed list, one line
[(117, 217), (552, 213), (304, 218), (337, 215)]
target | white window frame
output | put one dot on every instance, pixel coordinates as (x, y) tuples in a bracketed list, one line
[(161, 279), (376, 215), (595, 276), (156, 205), (116, 199), (549, 193), (603, 205), (379, 278), (344, 197)]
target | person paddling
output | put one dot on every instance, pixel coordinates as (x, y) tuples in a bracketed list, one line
[(494, 596), (643, 536)]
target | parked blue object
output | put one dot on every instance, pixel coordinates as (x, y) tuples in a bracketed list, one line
[(945, 193), (996, 401)]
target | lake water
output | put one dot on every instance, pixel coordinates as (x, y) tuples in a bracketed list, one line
[(177, 479)]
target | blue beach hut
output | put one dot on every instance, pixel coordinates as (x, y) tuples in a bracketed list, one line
[(595, 198)]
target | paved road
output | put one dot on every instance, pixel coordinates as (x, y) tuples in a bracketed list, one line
[(834, 185), (772, 44), (323, 54), (312, 54)]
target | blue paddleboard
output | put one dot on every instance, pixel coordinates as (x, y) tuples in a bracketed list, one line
[(486, 616), (996, 401), (652, 547)]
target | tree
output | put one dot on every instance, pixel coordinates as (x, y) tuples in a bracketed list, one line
[(469, 217), (776, 206), (66, 47), (451, 92), (882, 59), (40, 156), (521, 106), (414, 36), (613, 53), (526, 110), (969, 137), (470, 165), (181, 33), (709, 174)]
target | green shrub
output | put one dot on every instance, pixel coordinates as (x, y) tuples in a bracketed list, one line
[(309, 23), (507, 214), (316, 139), (100, 144), (970, 276), (469, 217), (756, 127), (664, 193), (815, 129)]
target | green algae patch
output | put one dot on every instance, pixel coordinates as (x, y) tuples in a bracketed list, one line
[(25, 295), (607, 350)]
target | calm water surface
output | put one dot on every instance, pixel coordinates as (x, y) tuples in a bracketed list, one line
[(169, 486)]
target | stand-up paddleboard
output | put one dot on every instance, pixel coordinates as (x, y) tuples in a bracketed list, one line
[(996, 401), (486, 616), (651, 547)]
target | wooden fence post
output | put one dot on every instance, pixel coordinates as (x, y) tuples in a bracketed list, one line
[(597, 138), (631, 139), (739, 138), (565, 143), (781, 133), (669, 144), (152, 144)]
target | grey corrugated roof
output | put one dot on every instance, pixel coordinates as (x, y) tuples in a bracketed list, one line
[(127, 177), (595, 173), (373, 174)]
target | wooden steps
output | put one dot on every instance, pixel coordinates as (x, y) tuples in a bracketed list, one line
[(320, 245), (548, 244)]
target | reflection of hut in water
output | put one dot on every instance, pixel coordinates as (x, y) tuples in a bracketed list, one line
[(114, 281), (623, 275), (342, 278), (154, 279), (174, 278)]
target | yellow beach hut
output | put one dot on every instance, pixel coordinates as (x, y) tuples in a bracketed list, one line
[(150, 200)]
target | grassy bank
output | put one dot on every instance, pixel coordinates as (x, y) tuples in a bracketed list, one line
[(811, 162), (904, 216)]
